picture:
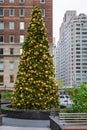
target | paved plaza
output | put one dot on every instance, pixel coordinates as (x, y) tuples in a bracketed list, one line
[(22, 128), (20, 124)]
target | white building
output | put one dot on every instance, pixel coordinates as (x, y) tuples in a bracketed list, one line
[(72, 49), (55, 60)]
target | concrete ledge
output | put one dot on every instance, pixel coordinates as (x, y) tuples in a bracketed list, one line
[(26, 114), (1, 115), (54, 123)]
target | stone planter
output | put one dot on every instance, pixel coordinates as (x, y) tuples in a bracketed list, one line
[(28, 114)]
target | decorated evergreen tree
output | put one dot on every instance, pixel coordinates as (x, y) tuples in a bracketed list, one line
[(35, 86)]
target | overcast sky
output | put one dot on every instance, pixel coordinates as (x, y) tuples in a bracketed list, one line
[(59, 9)]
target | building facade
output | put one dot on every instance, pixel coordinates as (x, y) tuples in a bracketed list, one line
[(55, 61), (14, 19), (72, 49)]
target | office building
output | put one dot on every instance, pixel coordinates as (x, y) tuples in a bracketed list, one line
[(14, 19), (55, 61), (72, 49)]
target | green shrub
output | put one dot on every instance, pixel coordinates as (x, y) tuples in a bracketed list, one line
[(6, 95), (79, 97)]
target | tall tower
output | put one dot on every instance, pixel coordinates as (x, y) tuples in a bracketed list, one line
[(14, 19), (72, 47)]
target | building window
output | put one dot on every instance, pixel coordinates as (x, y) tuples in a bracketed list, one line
[(21, 25), (77, 24), (11, 25), (11, 12), (11, 78), (21, 12), (1, 1), (1, 50), (1, 12), (1, 78), (42, 1), (21, 38), (43, 12), (1, 25), (11, 38), (11, 51), (11, 64), (1, 38), (21, 50), (84, 32), (1, 66), (21, 1), (11, 1)]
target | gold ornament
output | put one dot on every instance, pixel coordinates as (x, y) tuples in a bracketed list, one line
[(20, 88), (21, 95), (40, 45), (31, 79), (18, 104), (26, 88), (46, 72)]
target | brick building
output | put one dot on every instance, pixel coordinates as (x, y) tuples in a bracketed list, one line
[(14, 18)]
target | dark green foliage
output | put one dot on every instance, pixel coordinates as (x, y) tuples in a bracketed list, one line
[(6, 95), (79, 97)]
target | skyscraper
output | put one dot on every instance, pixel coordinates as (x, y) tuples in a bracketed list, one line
[(72, 49), (14, 19)]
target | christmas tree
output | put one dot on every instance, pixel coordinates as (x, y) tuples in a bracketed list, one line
[(35, 86)]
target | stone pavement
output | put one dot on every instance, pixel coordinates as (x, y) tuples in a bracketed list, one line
[(20, 124), (22, 128)]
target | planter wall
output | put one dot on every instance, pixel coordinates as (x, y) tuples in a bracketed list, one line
[(28, 114), (31, 114)]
